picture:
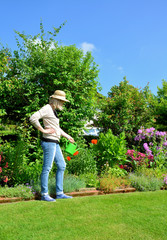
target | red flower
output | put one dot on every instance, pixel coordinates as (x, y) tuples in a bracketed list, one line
[(75, 153), (68, 158), (6, 179), (121, 166), (94, 141), (0, 169)]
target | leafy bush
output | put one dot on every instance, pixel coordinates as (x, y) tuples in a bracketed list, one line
[(23, 191), (82, 163), (20, 169), (109, 183), (125, 109), (71, 183), (111, 149), (115, 171), (150, 172), (145, 183), (90, 179)]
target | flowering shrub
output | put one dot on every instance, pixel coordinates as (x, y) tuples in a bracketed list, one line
[(3, 170), (136, 159), (111, 149), (154, 144)]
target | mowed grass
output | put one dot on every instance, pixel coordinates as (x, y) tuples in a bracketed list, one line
[(117, 216)]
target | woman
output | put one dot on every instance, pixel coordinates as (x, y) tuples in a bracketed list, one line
[(50, 143)]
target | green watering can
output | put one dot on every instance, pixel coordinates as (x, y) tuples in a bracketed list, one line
[(71, 147)]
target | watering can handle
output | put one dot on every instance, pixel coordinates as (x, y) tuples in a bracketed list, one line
[(72, 143)]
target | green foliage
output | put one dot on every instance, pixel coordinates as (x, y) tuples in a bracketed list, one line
[(115, 171), (125, 109), (150, 172), (20, 169), (110, 149), (23, 191), (145, 183), (90, 179), (110, 183), (82, 163), (41, 66), (71, 183), (160, 107)]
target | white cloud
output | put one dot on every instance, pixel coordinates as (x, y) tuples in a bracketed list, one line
[(87, 47), (120, 69)]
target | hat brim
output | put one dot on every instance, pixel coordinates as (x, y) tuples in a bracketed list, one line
[(60, 98)]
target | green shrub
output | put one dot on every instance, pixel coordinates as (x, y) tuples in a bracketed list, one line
[(114, 171), (145, 183), (90, 179), (150, 172), (23, 191), (110, 183), (111, 149), (20, 168), (82, 163), (71, 183)]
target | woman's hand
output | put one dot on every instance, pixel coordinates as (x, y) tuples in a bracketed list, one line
[(71, 139)]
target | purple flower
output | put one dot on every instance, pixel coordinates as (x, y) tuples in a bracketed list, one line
[(137, 138), (158, 133), (148, 130), (146, 147), (139, 131)]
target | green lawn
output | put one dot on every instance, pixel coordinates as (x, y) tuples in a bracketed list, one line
[(117, 216)]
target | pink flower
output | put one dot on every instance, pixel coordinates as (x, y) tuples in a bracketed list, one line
[(0, 169), (151, 157), (6, 166)]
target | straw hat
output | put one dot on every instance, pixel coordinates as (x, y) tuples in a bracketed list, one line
[(58, 94)]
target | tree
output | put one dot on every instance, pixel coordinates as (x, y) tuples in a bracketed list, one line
[(126, 109), (38, 68), (160, 106)]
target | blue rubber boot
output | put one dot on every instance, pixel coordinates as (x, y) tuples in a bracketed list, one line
[(63, 196), (47, 198)]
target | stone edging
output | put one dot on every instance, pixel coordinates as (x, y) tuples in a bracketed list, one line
[(94, 192)]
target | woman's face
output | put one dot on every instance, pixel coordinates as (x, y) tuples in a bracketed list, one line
[(60, 105)]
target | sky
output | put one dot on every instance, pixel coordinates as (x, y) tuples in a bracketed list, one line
[(126, 37)]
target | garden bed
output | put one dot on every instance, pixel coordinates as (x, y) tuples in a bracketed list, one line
[(81, 193)]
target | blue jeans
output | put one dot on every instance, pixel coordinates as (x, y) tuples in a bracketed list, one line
[(52, 152)]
